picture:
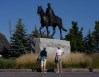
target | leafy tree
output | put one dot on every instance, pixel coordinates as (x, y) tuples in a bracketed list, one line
[(75, 37), (96, 36), (19, 40)]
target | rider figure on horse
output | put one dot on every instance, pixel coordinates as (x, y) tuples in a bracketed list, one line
[(50, 14)]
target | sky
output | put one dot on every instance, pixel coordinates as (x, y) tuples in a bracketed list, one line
[(84, 12)]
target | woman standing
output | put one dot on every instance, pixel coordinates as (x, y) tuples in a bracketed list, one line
[(43, 57), (59, 54)]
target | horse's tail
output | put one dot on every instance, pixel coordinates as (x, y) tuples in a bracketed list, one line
[(64, 29), (59, 20)]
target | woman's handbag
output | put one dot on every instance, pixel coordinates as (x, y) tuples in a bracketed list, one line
[(56, 59), (38, 60)]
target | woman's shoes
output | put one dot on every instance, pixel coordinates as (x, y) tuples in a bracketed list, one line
[(57, 72)]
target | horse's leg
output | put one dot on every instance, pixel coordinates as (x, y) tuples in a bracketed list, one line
[(40, 29), (60, 33), (54, 30), (47, 31)]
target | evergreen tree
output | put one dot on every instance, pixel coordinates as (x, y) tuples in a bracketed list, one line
[(96, 36), (19, 40), (80, 41), (36, 33), (75, 37), (88, 43)]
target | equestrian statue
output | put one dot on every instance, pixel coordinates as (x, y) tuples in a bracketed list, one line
[(50, 19)]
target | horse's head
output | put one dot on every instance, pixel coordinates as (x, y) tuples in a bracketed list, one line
[(39, 10)]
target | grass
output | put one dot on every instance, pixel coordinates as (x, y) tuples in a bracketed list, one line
[(26, 61), (74, 60)]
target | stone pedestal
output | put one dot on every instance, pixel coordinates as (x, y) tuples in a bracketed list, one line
[(50, 44)]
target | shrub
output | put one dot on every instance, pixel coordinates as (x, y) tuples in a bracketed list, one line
[(95, 60), (7, 63)]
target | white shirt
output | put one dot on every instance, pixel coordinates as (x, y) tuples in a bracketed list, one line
[(59, 52)]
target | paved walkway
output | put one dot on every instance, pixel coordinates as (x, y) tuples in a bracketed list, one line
[(49, 70), (51, 74)]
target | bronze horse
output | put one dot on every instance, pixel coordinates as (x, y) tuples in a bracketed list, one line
[(46, 23)]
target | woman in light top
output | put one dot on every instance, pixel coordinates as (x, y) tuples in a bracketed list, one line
[(59, 54)]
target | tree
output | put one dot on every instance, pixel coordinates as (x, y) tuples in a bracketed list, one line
[(75, 37), (96, 36), (88, 43), (19, 40), (36, 33)]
